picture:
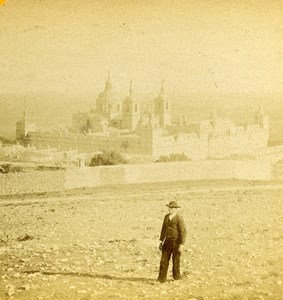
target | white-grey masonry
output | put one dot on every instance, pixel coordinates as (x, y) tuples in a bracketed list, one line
[(163, 172)]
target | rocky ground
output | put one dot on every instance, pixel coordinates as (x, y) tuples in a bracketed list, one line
[(103, 243)]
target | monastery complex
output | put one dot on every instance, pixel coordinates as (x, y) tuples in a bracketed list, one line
[(124, 126)]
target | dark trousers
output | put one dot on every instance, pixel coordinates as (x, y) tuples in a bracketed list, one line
[(170, 248)]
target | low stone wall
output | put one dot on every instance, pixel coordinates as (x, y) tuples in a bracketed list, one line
[(277, 171), (174, 171), (49, 181), (31, 182)]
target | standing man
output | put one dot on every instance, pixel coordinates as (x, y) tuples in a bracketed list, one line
[(172, 239)]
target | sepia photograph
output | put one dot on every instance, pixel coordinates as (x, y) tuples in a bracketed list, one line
[(141, 149)]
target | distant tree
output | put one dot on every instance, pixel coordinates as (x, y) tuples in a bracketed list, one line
[(5, 168), (107, 159), (172, 157), (6, 141), (9, 168), (125, 145), (163, 158)]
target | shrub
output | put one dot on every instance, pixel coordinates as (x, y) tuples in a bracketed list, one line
[(107, 159), (172, 157), (125, 145), (9, 168), (6, 141), (6, 168)]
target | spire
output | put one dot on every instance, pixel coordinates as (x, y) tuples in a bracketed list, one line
[(260, 111), (25, 110), (259, 114), (213, 112), (108, 84), (162, 88), (131, 89)]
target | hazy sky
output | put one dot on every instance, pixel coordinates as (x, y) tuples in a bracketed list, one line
[(68, 46)]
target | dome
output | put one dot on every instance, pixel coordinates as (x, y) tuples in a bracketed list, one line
[(108, 95)]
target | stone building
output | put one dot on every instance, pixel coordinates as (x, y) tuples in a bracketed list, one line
[(24, 126), (121, 125), (112, 111)]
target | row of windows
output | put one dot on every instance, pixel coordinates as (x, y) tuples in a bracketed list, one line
[(135, 108), (118, 107), (166, 105), (104, 107)]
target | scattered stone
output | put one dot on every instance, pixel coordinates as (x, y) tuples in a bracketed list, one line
[(17, 275), (202, 256), (4, 239), (55, 248), (64, 259), (25, 287), (82, 292), (10, 290), (25, 237), (33, 275)]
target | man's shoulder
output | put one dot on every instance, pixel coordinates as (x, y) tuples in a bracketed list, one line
[(179, 217)]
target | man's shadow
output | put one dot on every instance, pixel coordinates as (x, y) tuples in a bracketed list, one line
[(97, 276)]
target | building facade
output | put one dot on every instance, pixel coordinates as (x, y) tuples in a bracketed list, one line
[(121, 125)]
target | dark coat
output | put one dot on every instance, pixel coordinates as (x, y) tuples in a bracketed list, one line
[(174, 229)]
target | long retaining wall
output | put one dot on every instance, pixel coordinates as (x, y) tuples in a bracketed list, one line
[(32, 182), (163, 172)]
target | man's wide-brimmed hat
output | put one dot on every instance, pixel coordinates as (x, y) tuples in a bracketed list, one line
[(173, 204)]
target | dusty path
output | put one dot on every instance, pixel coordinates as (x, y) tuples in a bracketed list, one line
[(102, 243)]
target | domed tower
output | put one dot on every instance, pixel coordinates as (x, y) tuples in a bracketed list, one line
[(162, 108), (107, 103), (131, 111)]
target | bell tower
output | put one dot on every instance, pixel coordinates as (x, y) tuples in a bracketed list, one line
[(162, 108), (131, 111), (107, 102)]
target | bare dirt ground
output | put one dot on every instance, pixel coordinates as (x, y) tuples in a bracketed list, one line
[(103, 243)]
